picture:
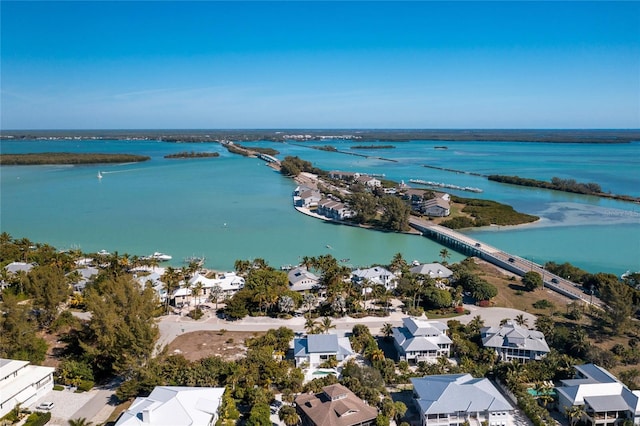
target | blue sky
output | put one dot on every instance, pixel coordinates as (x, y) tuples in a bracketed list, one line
[(120, 65)]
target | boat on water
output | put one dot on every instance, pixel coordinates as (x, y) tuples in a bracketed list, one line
[(445, 185), (99, 175), (104, 253), (160, 257)]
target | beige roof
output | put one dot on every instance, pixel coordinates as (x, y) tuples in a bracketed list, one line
[(335, 406)]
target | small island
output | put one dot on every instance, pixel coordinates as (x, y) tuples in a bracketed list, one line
[(47, 158), (192, 154), (565, 185)]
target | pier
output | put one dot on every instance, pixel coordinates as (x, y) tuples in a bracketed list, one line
[(512, 263)]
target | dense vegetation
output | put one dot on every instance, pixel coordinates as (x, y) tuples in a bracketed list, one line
[(67, 158), (192, 154), (121, 334), (486, 212), (566, 185), (293, 166)]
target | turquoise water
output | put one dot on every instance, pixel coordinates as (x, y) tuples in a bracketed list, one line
[(230, 207)]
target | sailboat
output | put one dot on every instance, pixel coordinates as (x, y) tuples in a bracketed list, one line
[(99, 175)]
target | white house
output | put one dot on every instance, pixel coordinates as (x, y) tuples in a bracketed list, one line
[(514, 343), (334, 209), (603, 398), (375, 275), (314, 349), (21, 383), (305, 196), (420, 340), (300, 279), (228, 282), (367, 181), (175, 406), (453, 399), (432, 270)]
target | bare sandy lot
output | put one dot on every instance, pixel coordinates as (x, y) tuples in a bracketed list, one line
[(201, 344)]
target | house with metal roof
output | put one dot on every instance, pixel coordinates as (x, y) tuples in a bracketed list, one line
[(375, 275), (336, 405), (436, 207), (175, 406), (432, 270), (452, 399), (515, 343), (420, 340), (300, 279), (603, 398), (314, 349), (22, 383)]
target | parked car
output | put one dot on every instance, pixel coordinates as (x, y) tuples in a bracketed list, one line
[(511, 259), (554, 280), (45, 406)]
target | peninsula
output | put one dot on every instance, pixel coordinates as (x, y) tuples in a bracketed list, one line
[(67, 158)]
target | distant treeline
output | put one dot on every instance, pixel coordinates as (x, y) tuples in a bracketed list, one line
[(268, 151), (192, 154), (326, 148), (372, 147), (368, 135), (67, 158), (567, 185)]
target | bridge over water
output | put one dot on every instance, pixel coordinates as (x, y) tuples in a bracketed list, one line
[(510, 262)]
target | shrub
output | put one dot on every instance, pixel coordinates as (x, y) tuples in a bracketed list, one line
[(85, 385), (196, 314), (58, 388), (38, 419), (543, 304)]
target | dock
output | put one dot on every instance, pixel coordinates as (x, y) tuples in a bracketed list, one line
[(510, 262)]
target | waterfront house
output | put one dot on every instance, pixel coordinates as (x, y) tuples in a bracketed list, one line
[(453, 399), (347, 176), (515, 343), (376, 275), (306, 196), (336, 405), (228, 283), (22, 383), (14, 268), (175, 406), (436, 207), (300, 279), (154, 279), (603, 399), (315, 349), (334, 209), (367, 181), (433, 270), (420, 340)]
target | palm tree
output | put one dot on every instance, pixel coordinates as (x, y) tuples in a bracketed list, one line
[(214, 294), (444, 255), (326, 324), (574, 413), (522, 321), (387, 330), (308, 300), (289, 416), (398, 264), (80, 421), (311, 326), (376, 355), (475, 325), (198, 291), (285, 304)]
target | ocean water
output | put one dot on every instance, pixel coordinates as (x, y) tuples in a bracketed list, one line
[(229, 208)]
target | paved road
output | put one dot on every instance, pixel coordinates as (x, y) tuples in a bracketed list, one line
[(172, 326)]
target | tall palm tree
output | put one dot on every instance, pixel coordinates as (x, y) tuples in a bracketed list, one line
[(475, 325), (198, 291), (574, 413), (387, 330), (310, 325), (444, 255), (214, 294), (398, 264)]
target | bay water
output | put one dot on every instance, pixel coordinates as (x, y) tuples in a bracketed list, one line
[(230, 207)]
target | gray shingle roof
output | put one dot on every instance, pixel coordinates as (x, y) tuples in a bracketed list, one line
[(512, 335)]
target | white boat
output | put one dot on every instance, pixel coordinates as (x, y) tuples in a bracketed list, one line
[(99, 175), (161, 256), (104, 253)]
